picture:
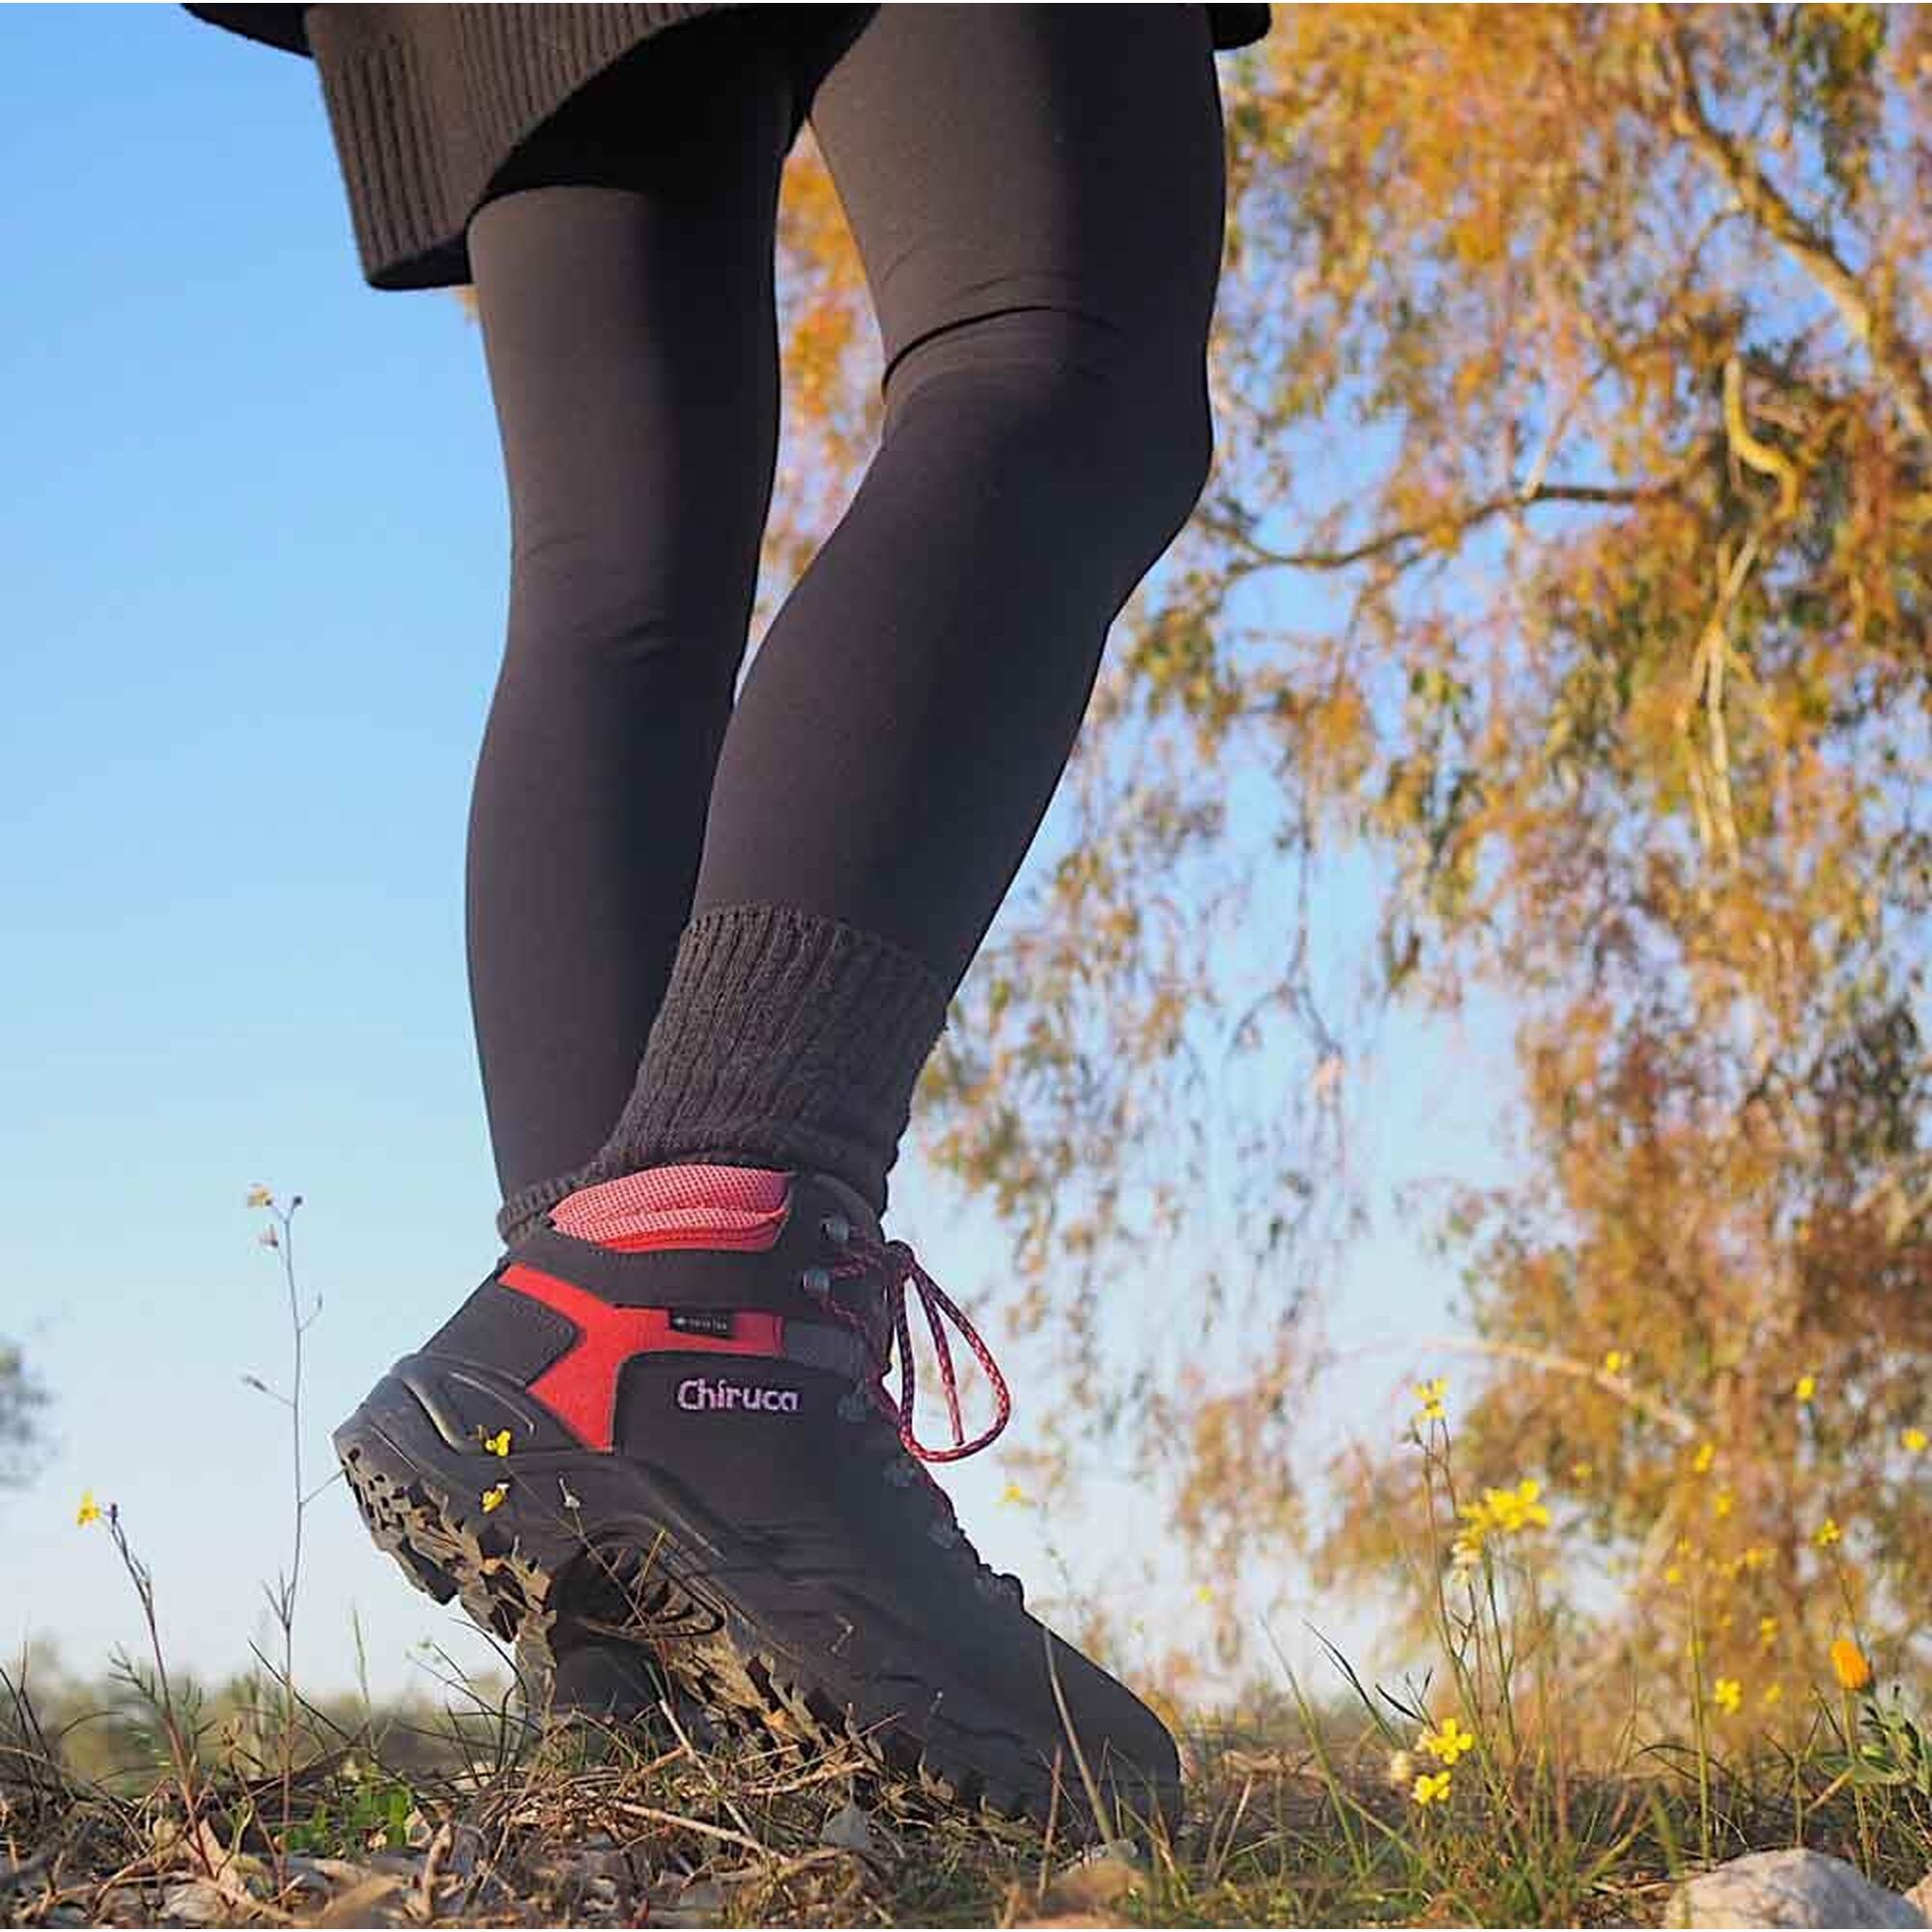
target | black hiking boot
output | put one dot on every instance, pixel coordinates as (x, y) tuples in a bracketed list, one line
[(678, 1449)]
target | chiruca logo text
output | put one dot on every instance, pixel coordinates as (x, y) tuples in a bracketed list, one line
[(696, 1392)]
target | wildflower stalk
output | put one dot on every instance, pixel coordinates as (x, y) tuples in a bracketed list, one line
[(283, 1598), (1471, 1688), (180, 1751), (1700, 1727), (1849, 1704)]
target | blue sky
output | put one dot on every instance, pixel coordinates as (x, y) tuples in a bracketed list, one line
[(255, 565)]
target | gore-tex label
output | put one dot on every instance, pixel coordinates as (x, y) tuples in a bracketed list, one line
[(713, 1322)]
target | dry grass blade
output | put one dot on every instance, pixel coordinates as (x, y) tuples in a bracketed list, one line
[(365, 1903)]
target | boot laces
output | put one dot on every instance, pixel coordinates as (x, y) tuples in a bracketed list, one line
[(862, 1259)]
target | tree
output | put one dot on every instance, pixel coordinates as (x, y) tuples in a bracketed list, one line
[(21, 1398), (1575, 356)]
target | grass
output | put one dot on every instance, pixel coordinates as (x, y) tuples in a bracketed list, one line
[(1495, 1800), (471, 1814)]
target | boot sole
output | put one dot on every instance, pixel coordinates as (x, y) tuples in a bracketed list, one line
[(520, 1569)]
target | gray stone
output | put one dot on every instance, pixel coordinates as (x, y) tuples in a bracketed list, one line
[(196, 1902), (853, 1830), (1791, 1888)]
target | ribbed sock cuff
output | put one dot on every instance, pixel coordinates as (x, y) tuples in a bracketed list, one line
[(523, 1210), (785, 1040)]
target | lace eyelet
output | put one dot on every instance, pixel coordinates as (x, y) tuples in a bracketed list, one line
[(836, 1228), (815, 1281)]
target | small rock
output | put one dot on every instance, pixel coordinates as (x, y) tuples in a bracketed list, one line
[(401, 1866), (701, 1903), (465, 1850), (195, 1902), (14, 1875), (1100, 1877), (585, 1864), (1791, 1888), (600, 1899), (124, 1905), (852, 1828)]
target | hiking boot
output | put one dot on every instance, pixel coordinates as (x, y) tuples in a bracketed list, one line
[(677, 1448)]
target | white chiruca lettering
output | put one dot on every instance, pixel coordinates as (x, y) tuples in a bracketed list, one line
[(695, 1392)]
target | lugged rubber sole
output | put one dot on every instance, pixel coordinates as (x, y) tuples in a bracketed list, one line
[(531, 1576)]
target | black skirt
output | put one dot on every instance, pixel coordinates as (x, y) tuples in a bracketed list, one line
[(427, 103)]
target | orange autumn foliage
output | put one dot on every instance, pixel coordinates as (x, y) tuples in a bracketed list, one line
[(1566, 562)]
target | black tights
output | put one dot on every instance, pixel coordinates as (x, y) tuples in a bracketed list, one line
[(1036, 195)]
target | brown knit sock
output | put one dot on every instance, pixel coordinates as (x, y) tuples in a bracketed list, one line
[(785, 1040)]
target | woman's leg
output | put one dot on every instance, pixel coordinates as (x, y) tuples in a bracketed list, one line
[(1037, 192), (624, 277)]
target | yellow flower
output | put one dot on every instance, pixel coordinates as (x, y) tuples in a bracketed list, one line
[(1727, 1693), (1773, 1694), (1519, 1509), (1012, 1493), (1449, 1743), (260, 1197), (1203, 1593), (1432, 1787), (1767, 1630), (493, 1497), (1582, 1473), (1849, 1665), (1615, 1362), (1915, 1440), (1828, 1533), (1430, 1394), (1674, 1574), (1805, 1387), (1706, 1455), (1722, 1503), (1499, 1512), (497, 1444), (1755, 1557), (88, 1511)]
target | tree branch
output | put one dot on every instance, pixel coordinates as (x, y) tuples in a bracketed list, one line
[(1684, 1425), (1463, 518), (1893, 354)]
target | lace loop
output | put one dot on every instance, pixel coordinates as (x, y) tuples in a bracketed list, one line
[(862, 1258)]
